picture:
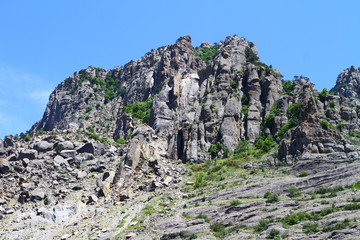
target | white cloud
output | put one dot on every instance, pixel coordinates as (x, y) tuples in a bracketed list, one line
[(23, 99), (40, 96)]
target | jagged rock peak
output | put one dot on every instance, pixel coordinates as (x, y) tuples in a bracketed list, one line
[(348, 83)]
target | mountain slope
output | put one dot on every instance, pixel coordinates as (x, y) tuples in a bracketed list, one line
[(111, 145)]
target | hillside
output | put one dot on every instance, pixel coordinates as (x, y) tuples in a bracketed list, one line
[(187, 143)]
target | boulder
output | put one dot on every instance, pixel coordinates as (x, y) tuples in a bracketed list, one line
[(68, 154), (87, 148), (4, 166), (8, 142), (104, 183), (37, 194), (28, 153), (43, 146)]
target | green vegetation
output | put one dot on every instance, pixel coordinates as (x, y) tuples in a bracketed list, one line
[(215, 148), (140, 110), (274, 234), (288, 86), (203, 216), (301, 216), (337, 226), (251, 57), (109, 85), (59, 148), (269, 120), (265, 144), (271, 197), (323, 94), (293, 114), (323, 190), (294, 192), (303, 173), (352, 206), (88, 109), (235, 203), (206, 54), (218, 230), (263, 225), (310, 227), (26, 138), (120, 141), (326, 125)]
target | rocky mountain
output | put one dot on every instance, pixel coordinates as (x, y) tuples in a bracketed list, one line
[(185, 143)]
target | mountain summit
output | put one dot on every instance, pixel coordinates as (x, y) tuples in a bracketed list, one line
[(187, 142)]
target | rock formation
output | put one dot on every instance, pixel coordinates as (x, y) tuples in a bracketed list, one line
[(111, 146)]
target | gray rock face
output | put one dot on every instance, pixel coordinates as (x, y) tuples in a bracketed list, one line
[(348, 83), (196, 103)]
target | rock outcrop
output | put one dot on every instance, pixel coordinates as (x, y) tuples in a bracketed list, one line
[(109, 147)]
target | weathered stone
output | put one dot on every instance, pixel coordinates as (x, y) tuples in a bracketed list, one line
[(37, 194), (28, 153), (87, 148), (68, 154), (4, 166), (8, 142), (43, 146), (60, 160), (104, 183)]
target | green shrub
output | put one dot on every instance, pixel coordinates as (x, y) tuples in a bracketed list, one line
[(288, 86), (332, 103), (338, 226), (234, 84), (293, 114), (311, 227), (90, 129), (120, 141), (264, 144), (88, 109), (140, 110), (199, 180), (294, 192), (59, 148), (326, 125), (215, 148), (27, 138), (303, 173), (94, 136), (323, 190), (269, 120), (263, 225), (206, 54), (271, 197), (352, 206), (235, 203), (243, 146), (251, 57), (323, 94), (218, 230), (274, 234)]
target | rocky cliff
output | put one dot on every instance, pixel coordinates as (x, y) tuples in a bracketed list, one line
[(112, 144)]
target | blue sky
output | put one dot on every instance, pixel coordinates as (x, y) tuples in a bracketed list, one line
[(43, 42)]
